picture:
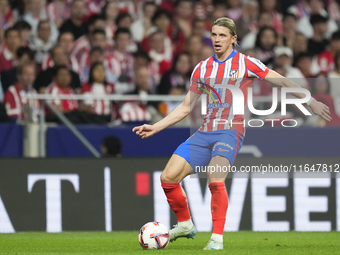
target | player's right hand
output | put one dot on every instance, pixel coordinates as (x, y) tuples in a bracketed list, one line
[(145, 131), (320, 109)]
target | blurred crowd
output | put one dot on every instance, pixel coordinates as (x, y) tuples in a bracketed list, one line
[(137, 47)]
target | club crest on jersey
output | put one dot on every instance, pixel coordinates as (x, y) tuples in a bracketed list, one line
[(233, 74)]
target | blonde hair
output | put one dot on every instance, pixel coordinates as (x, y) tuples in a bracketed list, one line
[(228, 23)]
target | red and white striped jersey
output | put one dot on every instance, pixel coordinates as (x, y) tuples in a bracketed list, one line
[(101, 107), (81, 46), (14, 101), (134, 111), (67, 105), (57, 11), (47, 62), (326, 61), (125, 61), (237, 70)]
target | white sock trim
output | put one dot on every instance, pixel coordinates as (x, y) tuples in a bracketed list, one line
[(186, 224), (217, 238)]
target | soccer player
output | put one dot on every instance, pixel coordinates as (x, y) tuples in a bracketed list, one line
[(214, 145)]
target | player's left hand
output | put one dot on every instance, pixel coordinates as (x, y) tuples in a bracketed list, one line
[(320, 109)]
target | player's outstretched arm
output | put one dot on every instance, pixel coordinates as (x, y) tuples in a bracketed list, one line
[(317, 107), (179, 113)]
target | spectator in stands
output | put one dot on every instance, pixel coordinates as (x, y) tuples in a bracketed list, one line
[(42, 42), (203, 9), (161, 21), (124, 20), (8, 54), (142, 59), (110, 14), (300, 9), (97, 85), (58, 10), (318, 42), (137, 111), (174, 39), (305, 25), (168, 5), (24, 29), (161, 57), (265, 43), (284, 57), (265, 19), (97, 54), (66, 42), (8, 77), (35, 13), (194, 48), (141, 27), (179, 74), (61, 86), (6, 15), (207, 52), (98, 39), (326, 58), (45, 78), (289, 30), (246, 23), (234, 9), (218, 12), (199, 29), (303, 61), (93, 7), (125, 59), (14, 100), (300, 44), (184, 16), (82, 45), (134, 8), (334, 11), (75, 23), (111, 146), (320, 91), (334, 77), (271, 6)]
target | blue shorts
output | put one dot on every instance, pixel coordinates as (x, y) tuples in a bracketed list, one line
[(201, 147)]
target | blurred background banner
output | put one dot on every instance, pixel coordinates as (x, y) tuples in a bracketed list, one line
[(57, 195), (267, 141)]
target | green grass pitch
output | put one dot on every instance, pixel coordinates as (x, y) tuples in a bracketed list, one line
[(242, 242)]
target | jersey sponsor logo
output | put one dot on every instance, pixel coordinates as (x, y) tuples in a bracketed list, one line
[(213, 106)]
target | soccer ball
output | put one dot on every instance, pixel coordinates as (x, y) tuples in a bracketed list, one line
[(153, 235)]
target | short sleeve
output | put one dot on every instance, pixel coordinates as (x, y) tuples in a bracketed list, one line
[(195, 80), (256, 69)]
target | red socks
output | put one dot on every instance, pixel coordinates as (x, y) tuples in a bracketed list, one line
[(176, 200), (219, 206), (219, 203)]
